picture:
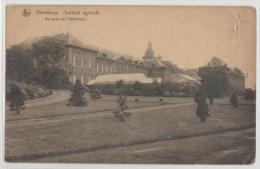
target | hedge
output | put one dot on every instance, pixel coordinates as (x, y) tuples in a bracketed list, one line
[(30, 90)]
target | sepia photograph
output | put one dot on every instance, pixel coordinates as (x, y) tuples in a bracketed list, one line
[(130, 84)]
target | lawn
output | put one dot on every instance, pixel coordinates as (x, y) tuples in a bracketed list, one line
[(106, 103), (81, 135), (236, 147)]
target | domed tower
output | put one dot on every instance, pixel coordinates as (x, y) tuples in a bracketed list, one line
[(149, 56)]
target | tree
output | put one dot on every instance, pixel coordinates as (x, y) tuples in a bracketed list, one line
[(16, 98), (216, 81), (19, 63), (234, 100), (202, 106), (250, 94), (52, 68), (77, 97), (157, 89), (238, 71), (119, 84), (216, 84)]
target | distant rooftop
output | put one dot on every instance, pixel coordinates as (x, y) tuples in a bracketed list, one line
[(182, 78), (149, 53), (71, 40), (216, 62)]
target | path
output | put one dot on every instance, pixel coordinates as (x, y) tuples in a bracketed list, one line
[(57, 96)]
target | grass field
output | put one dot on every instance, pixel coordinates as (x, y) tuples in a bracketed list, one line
[(225, 148), (107, 103), (173, 119)]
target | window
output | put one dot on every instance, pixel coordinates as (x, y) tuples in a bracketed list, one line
[(107, 67), (102, 68), (118, 69), (35, 63), (70, 59), (73, 78), (87, 62), (114, 68), (86, 78), (82, 79), (74, 60), (97, 68), (90, 63), (82, 62)]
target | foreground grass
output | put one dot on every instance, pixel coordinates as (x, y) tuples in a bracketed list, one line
[(105, 131), (237, 147)]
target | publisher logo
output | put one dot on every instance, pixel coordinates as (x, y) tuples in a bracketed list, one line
[(26, 12)]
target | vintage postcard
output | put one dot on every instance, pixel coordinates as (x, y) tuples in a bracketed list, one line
[(130, 84)]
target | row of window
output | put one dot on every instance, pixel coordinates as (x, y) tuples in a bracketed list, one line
[(101, 68), (113, 69), (81, 61), (78, 61)]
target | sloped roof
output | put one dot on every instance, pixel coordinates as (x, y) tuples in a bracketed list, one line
[(160, 63), (66, 38), (182, 78), (215, 62), (28, 43), (167, 63), (127, 78), (71, 40)]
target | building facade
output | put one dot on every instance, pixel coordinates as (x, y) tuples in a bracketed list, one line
[(222, 79), (88, 62)]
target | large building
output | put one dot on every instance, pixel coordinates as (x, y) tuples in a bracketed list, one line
[(79, 61), (87, 62), (222, 79)]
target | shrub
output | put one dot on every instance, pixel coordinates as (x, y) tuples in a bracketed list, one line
[(167, 94), (250, 94), (30, 91), (140, 89)]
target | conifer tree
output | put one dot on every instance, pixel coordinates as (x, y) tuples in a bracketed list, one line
[(77, 97)]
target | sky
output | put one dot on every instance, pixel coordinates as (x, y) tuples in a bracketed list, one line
[(187, 36)]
